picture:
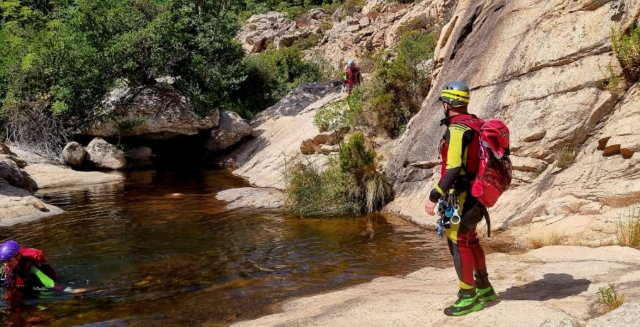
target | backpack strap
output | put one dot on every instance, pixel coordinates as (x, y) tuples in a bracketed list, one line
[(485, 213), (469, 120)]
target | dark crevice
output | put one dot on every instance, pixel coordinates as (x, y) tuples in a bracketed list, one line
[(498, 8), (464, 33)]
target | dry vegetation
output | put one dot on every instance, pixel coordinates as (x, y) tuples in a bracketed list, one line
[(628, 230), (547, 239)]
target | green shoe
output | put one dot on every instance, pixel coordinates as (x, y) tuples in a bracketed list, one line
[(486, 294), (467, 302)]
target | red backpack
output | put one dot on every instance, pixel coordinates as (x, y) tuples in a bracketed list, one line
[(493, 176), (494, 171)]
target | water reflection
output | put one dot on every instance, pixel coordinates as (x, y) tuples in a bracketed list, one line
[(159, 249)]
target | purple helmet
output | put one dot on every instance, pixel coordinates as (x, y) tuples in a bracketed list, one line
[(8, 250)]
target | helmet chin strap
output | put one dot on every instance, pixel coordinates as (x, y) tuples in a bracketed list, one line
[(447, 109)]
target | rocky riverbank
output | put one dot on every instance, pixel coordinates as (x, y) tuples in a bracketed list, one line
[(22, 173), (552, 286)]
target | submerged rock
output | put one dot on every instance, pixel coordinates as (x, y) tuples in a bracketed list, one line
[(263, 198)]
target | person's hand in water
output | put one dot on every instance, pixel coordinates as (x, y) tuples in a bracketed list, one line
[(75, 290)]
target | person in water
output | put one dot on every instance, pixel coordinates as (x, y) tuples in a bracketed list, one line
[(25, 267)]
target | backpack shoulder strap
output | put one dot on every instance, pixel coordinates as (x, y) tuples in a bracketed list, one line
[(469, 120)]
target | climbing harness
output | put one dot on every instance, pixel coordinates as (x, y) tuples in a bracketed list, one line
[(448, 208)]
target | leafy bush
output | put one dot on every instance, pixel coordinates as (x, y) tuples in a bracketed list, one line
[(367, 186), (350, 185), (421, 24), (59, 58), (400, 85), (270, 76), (332, 117), (307, 42), (310, 191), (627, 48), (326, 25), (340, 114)]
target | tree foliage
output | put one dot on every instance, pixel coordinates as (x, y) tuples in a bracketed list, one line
[(61, 57)]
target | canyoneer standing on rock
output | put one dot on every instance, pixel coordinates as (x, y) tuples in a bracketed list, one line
[(351, 77), (459, 150)]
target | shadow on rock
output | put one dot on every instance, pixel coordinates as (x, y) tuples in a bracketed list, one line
[(552, 286)]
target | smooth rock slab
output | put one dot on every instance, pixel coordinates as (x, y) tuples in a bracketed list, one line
[(551, 286), (264, 198)]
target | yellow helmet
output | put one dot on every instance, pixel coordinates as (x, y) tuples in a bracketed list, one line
[(455, 94)]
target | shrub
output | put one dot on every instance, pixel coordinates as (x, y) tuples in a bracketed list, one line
[(292, 12), (326, 25), (310, 191), (350, 185), (270, 76), (307, 42), (332, 117), (628, 230), (367, 186), (611, 81), (565, 156), (609, 298), (341, 114), (400, 85), (355, 113), (352, 7), (627, 48), (420, 24)]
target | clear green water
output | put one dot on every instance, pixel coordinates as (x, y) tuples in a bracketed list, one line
[(160, 250)]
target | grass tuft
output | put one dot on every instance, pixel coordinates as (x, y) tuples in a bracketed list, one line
[(552, 238), (628, 230), (609, 298), (565, 156)]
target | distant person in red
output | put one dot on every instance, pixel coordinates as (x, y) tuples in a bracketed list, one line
[(351, 76), (25, 267)]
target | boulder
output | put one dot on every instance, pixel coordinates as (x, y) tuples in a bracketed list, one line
[(231, 130), (103, 155), (73, 154), (139, 156), (324, 142), (11, 173), (327, 149), (151, 112)]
